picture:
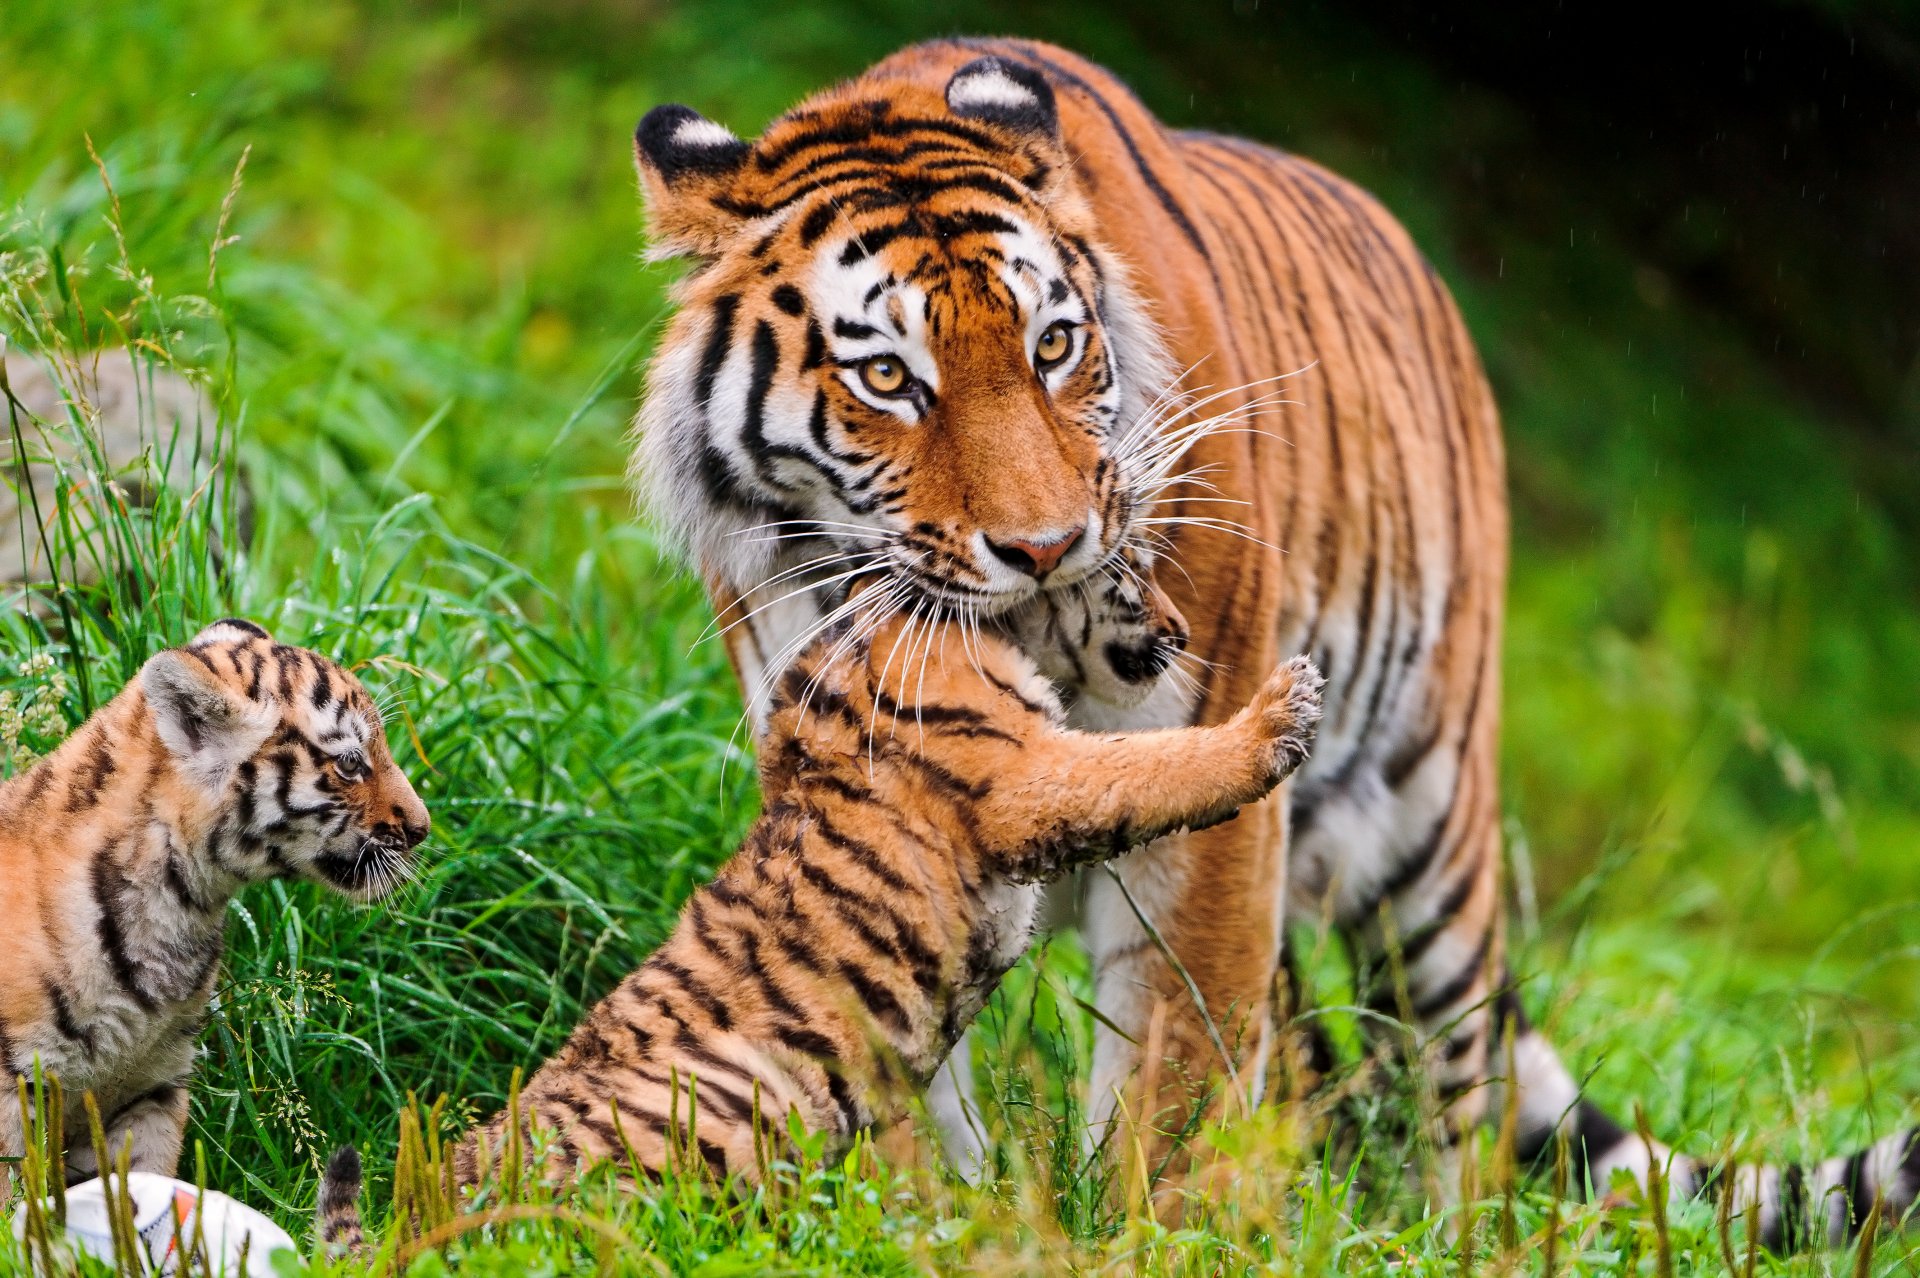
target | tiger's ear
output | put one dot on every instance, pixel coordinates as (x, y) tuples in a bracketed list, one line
[(198, 716), (1000, 91), (230, 630), (687, 168)]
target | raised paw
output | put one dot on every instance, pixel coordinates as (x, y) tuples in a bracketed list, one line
[(1285, 712)]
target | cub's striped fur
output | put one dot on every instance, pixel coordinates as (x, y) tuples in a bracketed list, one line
[(910, 812), (934, 331), (226, 762)]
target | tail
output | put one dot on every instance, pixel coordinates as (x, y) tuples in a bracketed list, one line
[(1798, 1206), (336, 1218)]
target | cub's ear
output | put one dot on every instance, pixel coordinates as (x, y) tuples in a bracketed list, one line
[(230, 630), (195, 712), (1002, 92), (688, 165)]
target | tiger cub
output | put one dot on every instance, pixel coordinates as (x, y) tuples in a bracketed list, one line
[(226, 762), (918, 786), (1107, 640)]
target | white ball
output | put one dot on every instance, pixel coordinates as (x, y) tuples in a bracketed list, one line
[(228, 1225)]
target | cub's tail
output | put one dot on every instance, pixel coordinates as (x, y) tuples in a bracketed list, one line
[(1799, 1206), (336, 1218)]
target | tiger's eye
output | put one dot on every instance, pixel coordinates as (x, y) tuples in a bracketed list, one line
[(351, 765), (884, 375), (1053, 345)]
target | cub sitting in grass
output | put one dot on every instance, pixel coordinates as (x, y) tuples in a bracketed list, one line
[(918, 785), (226, 762)]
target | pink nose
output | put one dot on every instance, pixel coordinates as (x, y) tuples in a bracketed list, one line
[(1034, 558)]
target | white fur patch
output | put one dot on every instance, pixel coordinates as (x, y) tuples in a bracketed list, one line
[(703, 134), (990, 88)]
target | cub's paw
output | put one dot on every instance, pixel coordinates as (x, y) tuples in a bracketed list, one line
[(1285, 713)]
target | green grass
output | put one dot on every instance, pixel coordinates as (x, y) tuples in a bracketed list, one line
[(422, 347)]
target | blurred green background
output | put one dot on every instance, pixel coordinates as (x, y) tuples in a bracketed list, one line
[(1686, 243)]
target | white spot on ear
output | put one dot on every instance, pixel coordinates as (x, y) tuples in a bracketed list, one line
[(232, 630), (703, 134), (991, 87)]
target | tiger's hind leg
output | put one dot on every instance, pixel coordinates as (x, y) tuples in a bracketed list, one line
[(1436, 952)]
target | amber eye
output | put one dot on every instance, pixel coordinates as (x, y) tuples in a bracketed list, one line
[(1053, 345), (884, 375), (351, 765)]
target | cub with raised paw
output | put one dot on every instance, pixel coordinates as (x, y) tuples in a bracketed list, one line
[(919, 783)]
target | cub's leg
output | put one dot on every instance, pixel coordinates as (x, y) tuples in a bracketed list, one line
[(155, 1123)]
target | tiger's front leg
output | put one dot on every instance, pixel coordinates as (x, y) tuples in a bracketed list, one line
[(1184, 936), (1184, 940)]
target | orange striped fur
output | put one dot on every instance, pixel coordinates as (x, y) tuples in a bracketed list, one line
[(910, 812), (977, 320), (229, 761)]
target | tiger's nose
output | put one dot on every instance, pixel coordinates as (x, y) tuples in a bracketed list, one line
[(413, 821), (1035, 558)]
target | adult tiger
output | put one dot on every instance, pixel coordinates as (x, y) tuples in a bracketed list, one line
[(933, 327)]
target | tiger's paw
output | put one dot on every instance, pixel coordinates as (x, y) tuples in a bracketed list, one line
[(1285, 713)]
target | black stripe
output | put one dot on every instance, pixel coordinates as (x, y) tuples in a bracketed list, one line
[(766, 361), (94, 772), (1591, 1136), (1788, 1230), (63, 1017), (788, 299), (176, 880), (691, 985), (864, 854), (163, 1095), (1859, 1195), (809, 1043), (1412, 866), (852, 1113), (1438, 1000), (816, 222), (946, 782), (879, 1000), (927, 712), (862, 130), (113, 941), (719, 338), (1421, 938)]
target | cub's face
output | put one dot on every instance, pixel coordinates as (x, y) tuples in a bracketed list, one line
[(904, 350), (289, 749), (1111, 639)]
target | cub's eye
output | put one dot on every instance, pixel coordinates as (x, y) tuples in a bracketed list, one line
[(351, 766), (885, 375), (1053, 346)]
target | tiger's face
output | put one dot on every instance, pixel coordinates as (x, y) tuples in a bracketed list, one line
[(903, 348), (284, 752)]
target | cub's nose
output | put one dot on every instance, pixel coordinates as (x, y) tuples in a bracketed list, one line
[(1035, 558), (414, 825)]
